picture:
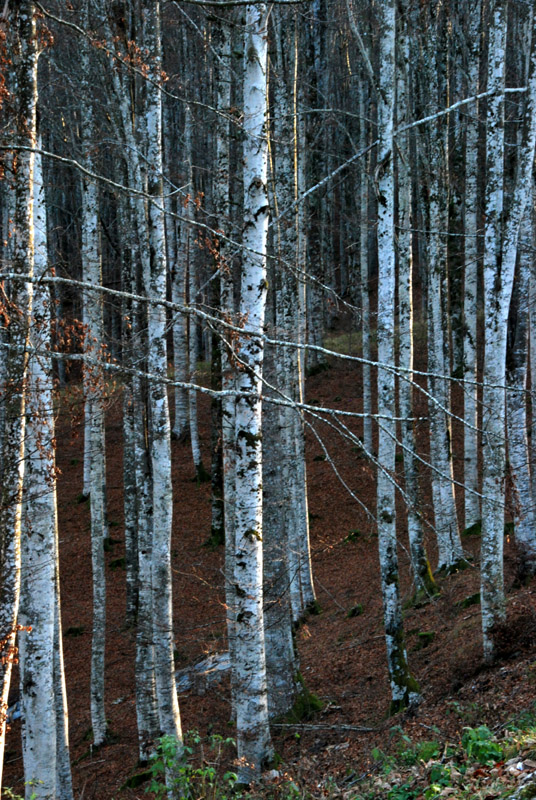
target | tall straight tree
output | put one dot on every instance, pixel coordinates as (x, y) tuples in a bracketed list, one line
[(24, 56), (450, 553), (501, 238), (45, 760), (94, 442), (253, 734), (288, 312), (471, 271), (160, 430), (404, 688)]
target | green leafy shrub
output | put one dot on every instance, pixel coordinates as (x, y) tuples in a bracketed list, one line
[(174, 775), (479, 745)]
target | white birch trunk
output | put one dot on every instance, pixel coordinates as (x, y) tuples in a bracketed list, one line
[(281, 543), (253, 734), (494, 407), (422, 575), (146, 703), (450, 553), (222, 78), (516, 374), (188, 255), (130, 495), (404, 688), (94, 446), (160, 431), (471, 478), (38, 562), (17, 334), (501, 245)]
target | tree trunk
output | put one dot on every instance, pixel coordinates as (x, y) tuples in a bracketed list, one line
[(253, 734), (24, 55), (160, 431), (39, 522), (404, 688)]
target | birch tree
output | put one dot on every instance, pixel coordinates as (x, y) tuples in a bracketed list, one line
[(517, 373), (404, 688), (24, 54), (42, 693), (471, 271), (450, 552), (253, 734), (422, 575), (160, 431), (94, 443), (501, 238)]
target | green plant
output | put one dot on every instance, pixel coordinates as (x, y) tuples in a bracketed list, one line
[(173, 773), (10, 794), (480, 746), (403, 792)]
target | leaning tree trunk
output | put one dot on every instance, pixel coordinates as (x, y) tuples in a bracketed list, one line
[(253, 734), (404, 688)]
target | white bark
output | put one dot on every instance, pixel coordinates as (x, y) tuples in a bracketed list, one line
[(94, 446), (38, 568), (404, 689), (17, 334), (189, 256), (131, 509), (501, 245), (516, 373), (160, 432), (146, 703), (281, 543), (253, 734), (289, 366), (422, 576), (471, 478), (492, 580), (450, 552), (222, 77)]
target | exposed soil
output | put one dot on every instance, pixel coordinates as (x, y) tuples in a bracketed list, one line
[(342, 657)]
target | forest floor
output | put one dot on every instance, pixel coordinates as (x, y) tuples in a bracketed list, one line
[(342, 656)]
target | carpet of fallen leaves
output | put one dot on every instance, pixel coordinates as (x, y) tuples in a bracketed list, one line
[(342, 653)]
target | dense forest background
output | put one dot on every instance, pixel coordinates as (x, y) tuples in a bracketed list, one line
[(209, 211)]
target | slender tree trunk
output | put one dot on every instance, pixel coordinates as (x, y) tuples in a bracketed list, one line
[(500, 254), (422, 574), (450, 550), (160, 431), (471, 481), (24, 55), (253, 734), (494, 407), (94, 445), (365, 280), (38, 567), (516, 374), (404, 688)]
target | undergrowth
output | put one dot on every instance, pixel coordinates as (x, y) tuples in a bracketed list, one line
[(481, 764)]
